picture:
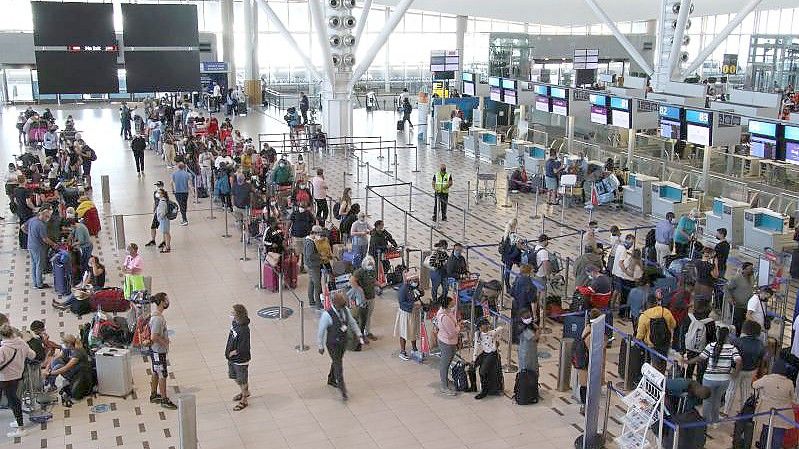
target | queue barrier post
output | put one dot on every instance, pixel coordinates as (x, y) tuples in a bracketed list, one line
[(368, 169), (535, 209), (416, 159), (382, 207), (302, 347), (245, 237), (358, 171), (770, 435), (226, 234), (410, 197), (260, 284), (675, 444), (211, 197), (565, 364), (509, 366), (360, 163), (507, 191)]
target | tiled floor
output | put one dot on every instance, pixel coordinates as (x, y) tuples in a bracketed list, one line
[(393, 403)]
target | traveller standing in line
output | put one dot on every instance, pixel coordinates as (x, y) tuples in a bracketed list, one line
[(125, 116), (442, 182), (159, 185), (38, 244), (304, 106), (525, 297), (364, 278), (722, 252), (159, 338), (302, 221), (553, 169), (407, 108), (486, 359), (753, 352), (656, 326), (217, 98), (334, 325), (138, 145), (13, 354), (438, 270), (162, 212), (181, 180), (359, 235), (664, 238), (313, 265), (723, 362), (320, 196), (407, 322), (132, 263), (591, 257), (50, 143), (757, 310), (529, 334), (449, 331), (237, 353), (737, 293), (775, 392), (685, 232)]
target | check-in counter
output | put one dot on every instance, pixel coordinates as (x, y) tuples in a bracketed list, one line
[(764, 228), (471, 142), (727, 214), (668, 197), (450, 139), (638, 192), (491, 149)]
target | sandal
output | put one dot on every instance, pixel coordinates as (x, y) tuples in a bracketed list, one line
[(237, 397), (166, 250), (240, 406)]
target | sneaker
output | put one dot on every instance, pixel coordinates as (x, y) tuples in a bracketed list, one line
[(403, 355), (167, 404), (155, 398), (150, 243), (371, 336), (481, 395), (16, 433), (13, 425), (447, 392), (184, 223)]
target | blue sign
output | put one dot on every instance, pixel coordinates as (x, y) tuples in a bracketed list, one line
[(763, 128), (213, 66), (698, 117), (671, 112), (791, 132), (599, 100), (508, 84), (620, 103), (541, 90), (494, 81), (466, 76), (557, 92)]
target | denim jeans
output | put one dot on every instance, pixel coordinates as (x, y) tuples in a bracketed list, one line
[(437, 280), (85, 254), (38, 259), (711, 405), (776, 437)]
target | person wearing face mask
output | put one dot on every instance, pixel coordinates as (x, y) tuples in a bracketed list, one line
[(589, 258), (486, 359), (237, 353), (72, 363), (442, 182), (456, 264), (525, 298), (359, 235), (623, 270), (381, 241), (133, 261), (664, 238), (313, 265), (757, 310), (13, 354), (449, 331), (529, 335), (159, 337), (737, 293), (685, 232), (335, 325), (591, 237), (163, 221), (302, 222), (406, 325)]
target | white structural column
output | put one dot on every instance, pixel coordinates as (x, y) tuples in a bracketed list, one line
[(391, 24), (270, 13), (679, 32), (361, 25), (251, 68), (226, 11), (602, 15), (721, 37), (318, 19), (460, 37), (387, 57)]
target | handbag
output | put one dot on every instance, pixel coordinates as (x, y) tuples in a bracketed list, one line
[(273, 259), (766, 320)]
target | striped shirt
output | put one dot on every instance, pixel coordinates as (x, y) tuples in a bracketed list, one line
[(721, 370)]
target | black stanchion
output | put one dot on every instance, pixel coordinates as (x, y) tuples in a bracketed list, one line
[(226, 234)]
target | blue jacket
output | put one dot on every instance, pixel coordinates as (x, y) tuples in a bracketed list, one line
[(512, 256), (404, 298), (523, 292)]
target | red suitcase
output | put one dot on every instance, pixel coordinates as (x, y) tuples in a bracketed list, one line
[(269, 278), (291, 269), (110, 299)]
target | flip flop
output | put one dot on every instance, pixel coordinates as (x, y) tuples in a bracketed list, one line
[(240, 406)]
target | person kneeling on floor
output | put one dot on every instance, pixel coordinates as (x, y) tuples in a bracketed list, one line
[(486, 359), (72, 365)]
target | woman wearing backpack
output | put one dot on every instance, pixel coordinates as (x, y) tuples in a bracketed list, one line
[(162, 214), (723, 362)]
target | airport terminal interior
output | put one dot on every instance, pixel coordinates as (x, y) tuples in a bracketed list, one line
[(399, 224)]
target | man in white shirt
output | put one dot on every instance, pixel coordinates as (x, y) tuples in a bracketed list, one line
[(623, 282), (223, 159), (217, 97), (401, 98), (320, 196), (756, 309)]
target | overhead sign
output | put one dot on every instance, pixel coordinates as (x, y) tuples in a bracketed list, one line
[(213, 66), (729, 64)]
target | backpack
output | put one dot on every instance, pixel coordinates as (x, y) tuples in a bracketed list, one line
[(334, 236), (141, 334), (659, 333), (282, 174), (459, 377), (579, 354), (172, 210), (337, 210), (302, 196), (504, 246), (554, 262), (696, 337), (531, 258), (525, 391)]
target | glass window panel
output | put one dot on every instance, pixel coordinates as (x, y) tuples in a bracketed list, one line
[(762, 22), (639, 27), (708, 24), (721, 22), (211, 18), (298, 17), (596, 29), (449, 24), (773, 20), (624, 27), (499, 26), (748, 24), (413, 22), (786, 19), (516, 27), (482, 26), (431, 23), (579, 31), (376, 20)]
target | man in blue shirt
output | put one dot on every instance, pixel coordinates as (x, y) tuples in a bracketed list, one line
[(180, 187), (664, 238), (38, 242), (553, 167)]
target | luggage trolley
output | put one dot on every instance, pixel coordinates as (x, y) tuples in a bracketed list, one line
[(36, 402), (489, 181)]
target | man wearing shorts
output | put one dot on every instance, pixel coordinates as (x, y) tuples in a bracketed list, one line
[(160, 347), (553, 168), (154, 225)]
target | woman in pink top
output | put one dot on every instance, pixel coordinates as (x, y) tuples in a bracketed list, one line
[(449, 329), (132, 264)]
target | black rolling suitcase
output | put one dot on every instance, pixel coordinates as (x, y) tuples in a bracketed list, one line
[(636, 361), (241, 108), (744, 429), (526, 389), (401, 125), (690, 437)]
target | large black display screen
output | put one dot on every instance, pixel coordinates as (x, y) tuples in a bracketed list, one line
[(67, 24), (162, 71), (160, 25), (75, 47), (62, 72)]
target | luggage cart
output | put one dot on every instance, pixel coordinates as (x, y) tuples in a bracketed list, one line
[(489, 182)]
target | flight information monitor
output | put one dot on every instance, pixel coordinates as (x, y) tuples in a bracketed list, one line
[(559, 99), (762, 139), (599, 109), (791, 134), (698, 126), (670, 122), (72, 58)]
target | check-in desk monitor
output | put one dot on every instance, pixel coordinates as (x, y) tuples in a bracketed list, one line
[(637, 192), (727, 214), (764, 228), (671, 197)]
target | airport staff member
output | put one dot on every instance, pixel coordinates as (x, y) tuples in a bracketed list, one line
[(442, 181)]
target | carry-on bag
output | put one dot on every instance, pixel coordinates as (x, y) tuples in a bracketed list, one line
[(62, 272), (111, 299), (291, 269), (401, 125), (269, 278), (526, 389)]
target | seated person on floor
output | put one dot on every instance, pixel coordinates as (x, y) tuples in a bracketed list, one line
[(73, 366), (519, 180)]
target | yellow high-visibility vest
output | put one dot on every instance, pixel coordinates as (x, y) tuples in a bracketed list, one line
[(442, 182)]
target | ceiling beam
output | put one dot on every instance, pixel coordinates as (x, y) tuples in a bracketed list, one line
[(367, 7), (637, 57), (319, 23)]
